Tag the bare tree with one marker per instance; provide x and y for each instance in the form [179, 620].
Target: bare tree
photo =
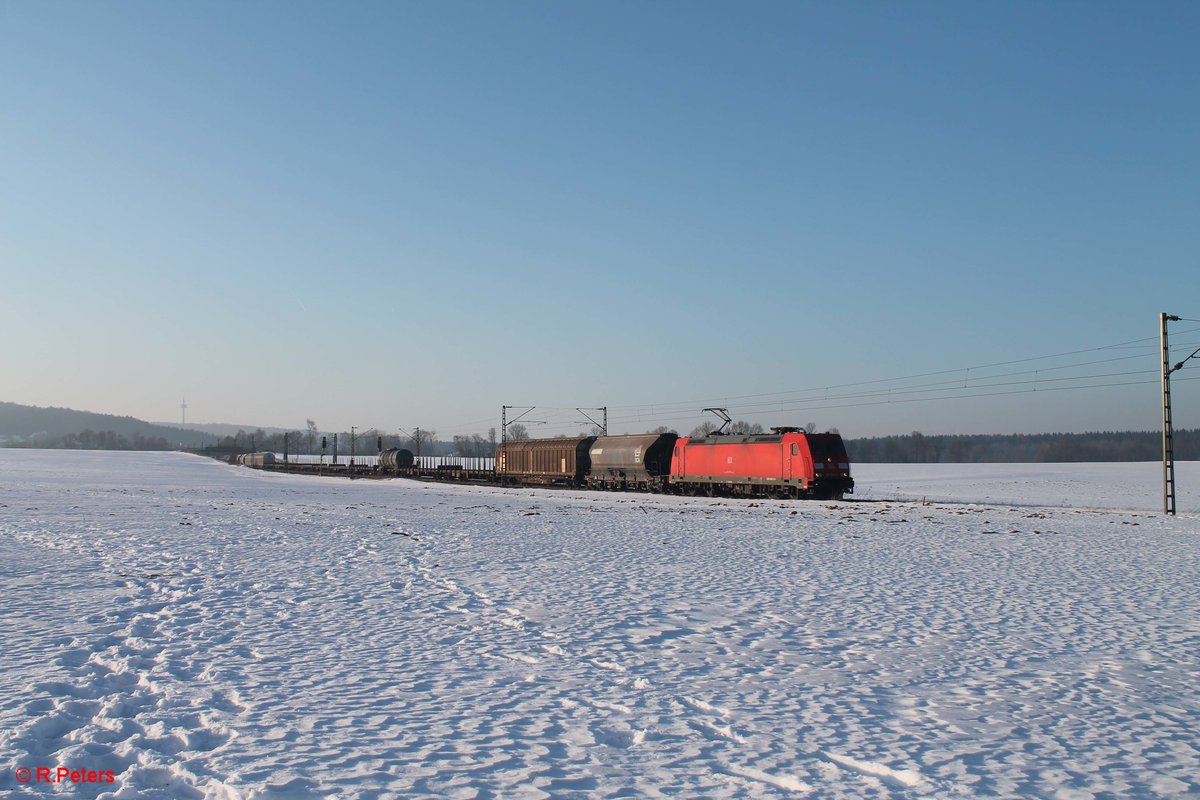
[473, 446]
[517, 432]
[745, 428]
[373, 437]
[917, 446]
[663, 429]
[810, 427]
[703, 429]
[312, 435]
[419, 438]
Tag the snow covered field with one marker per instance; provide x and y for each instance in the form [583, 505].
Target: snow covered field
[1130, 487]
[202, 630]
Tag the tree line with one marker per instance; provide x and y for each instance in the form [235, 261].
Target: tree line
[369, 441]
[918, 448]
[89, 439]
[911, 448]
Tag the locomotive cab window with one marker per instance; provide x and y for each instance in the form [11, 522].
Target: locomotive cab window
[827, 447]
[795, 449]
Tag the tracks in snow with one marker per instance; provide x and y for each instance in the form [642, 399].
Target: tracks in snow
[622, 710]
[138, 698]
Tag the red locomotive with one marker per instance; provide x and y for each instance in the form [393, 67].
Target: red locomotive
[784, 463]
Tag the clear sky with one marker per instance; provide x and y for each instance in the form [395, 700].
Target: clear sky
[404, 214]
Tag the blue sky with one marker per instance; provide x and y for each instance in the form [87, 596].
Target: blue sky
[408, 214]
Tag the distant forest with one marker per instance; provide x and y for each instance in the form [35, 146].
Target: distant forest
[364, 442]
[912, 448]
[917, 448]
[61, 428]
[88, 439]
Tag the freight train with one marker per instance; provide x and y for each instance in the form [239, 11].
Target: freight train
[788, 462]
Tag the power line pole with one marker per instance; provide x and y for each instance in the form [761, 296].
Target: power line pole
[504, 422]
[1168, 432]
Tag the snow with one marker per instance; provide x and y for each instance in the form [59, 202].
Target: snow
[210, 631]
[1127, 486]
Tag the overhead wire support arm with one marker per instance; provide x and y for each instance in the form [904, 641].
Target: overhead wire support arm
[505, 421]
[1179, 366]
[604, 426]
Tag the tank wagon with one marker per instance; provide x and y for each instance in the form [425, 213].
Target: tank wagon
[638, 461]
[785, 463]
[395, 459]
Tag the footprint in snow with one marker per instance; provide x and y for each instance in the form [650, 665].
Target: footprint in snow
[899, 779]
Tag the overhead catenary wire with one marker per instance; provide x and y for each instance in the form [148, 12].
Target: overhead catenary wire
[563, 425]
[963, 385]
[978, 367]
[973, 382]
[933, 392]
[880, 399]
[897, 397]
[662, 410]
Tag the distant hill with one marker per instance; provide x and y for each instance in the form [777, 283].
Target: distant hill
[225, 429]
[33, 426]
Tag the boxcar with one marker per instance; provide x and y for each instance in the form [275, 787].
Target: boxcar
[563, 461]
[258, 460]
[638, 461]
[785, 463]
